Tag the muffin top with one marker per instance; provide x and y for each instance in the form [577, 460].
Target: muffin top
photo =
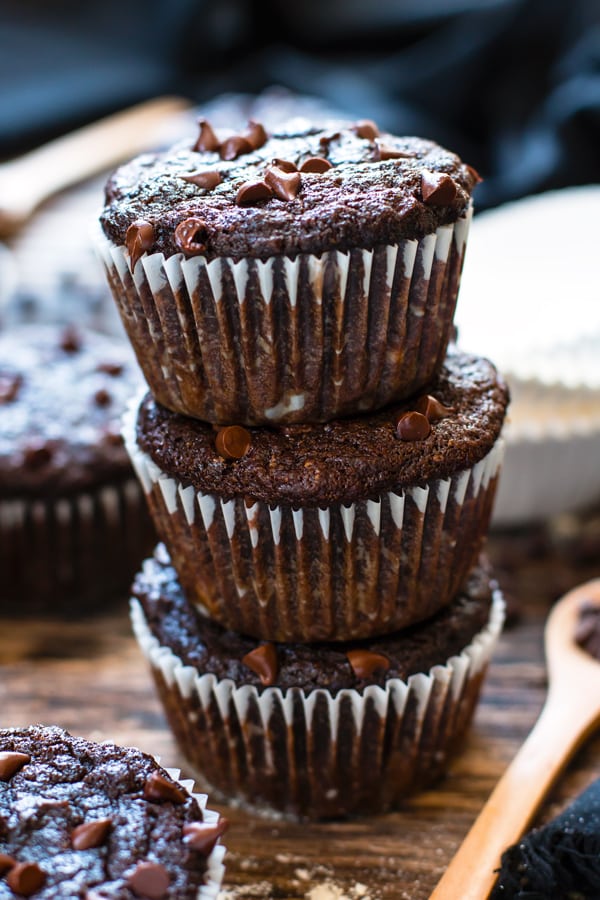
[62, 394]
[340, 461]
[299, 189]
[81, 819]
[209, 647]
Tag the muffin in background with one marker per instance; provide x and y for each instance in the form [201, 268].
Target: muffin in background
[107, 821]
[73, 520]
[321, 730]
[287, 278]
[329, 532]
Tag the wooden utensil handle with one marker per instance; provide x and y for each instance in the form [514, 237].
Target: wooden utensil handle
[562, 726]
[78, 155]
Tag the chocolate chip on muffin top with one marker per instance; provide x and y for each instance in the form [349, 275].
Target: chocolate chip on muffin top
[298, 190]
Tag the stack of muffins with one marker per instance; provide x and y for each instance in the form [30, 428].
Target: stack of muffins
[319, 464]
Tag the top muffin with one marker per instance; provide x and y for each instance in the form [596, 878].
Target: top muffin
[288, 278]
[298, 190]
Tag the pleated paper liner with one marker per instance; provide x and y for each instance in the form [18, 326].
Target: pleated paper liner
[290, 340]
[73, 554]
[313, 754]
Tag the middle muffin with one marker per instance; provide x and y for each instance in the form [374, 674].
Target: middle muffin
[334, 531]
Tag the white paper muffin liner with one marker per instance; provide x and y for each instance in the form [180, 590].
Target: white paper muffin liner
[73, 553]
[311, 753]
[336, 573]
[290, 340]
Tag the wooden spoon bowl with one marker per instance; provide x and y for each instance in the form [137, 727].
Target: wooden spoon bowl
[570, 714]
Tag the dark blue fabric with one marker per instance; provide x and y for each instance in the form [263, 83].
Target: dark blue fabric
[560, 861]
[512, 85]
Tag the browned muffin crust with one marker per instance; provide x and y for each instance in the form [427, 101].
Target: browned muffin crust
[364, 199]
[341, 461]
[62, 395]
[202, 643]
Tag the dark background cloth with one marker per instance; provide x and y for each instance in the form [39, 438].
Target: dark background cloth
[513, 86]
[560, 861]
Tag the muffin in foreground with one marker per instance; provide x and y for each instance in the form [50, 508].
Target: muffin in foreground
[85, 820]
[73, 521]
[328, 532]
[291, 277]
[322, 730]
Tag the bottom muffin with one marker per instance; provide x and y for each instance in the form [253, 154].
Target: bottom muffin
[319, 730]
[85, 820]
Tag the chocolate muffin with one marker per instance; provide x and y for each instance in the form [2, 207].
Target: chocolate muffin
[321, 730]
[86, 820]
[353, 528]
[73, 521]
[291, 277]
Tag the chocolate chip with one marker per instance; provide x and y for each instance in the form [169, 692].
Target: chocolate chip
[316, 164]
[189, 234]
[263, 662]
[149, 880]
[437, 188]
[26, 878]
[285, 185]
[366, 129]
[253, 191]
[383, 152]
[111, 435]
[327, 139]
[10, 763]
[37, 453]
[477, 179]
[139, 238]
[202, 836]
[6, 863]
[235, 146]
[207, 180]
[432, 409]
[255, 134]
[70, 340]
[207, 139]
[233, 442]
[10, 384]
[90, 834]
[413, 426]
[364, 662]
[159, 789]
[102, 397]
[110, 368]
[285, 165]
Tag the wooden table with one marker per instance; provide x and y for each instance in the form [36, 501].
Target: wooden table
[90, 678]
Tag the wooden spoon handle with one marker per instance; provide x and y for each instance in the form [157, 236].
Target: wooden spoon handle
[563, 724]
[27, 181]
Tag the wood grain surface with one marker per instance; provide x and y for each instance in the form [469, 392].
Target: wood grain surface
[89, 677]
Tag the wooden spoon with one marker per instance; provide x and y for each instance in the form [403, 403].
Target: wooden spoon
[27, 181]
[569, 716]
